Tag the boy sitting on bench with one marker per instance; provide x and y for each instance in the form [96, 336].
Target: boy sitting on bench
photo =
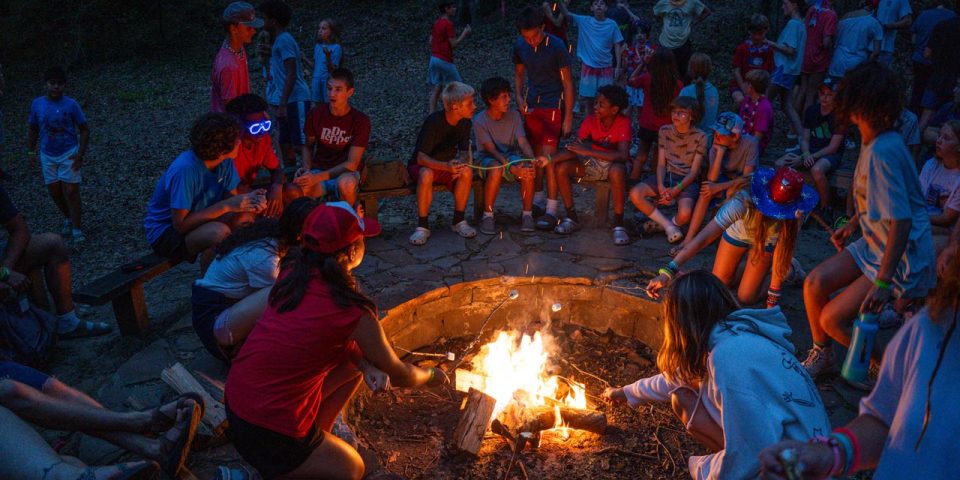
[256, 149]
[337, 135]
[442, 156]
[195, 204]
[500, 141]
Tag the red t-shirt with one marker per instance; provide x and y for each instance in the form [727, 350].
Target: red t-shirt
[276, 381]
[820, 22]
[335, 135]
[249, 160]
[604, 139]
[440, 46]
[648, 119]
[748, 57]
[230, 78]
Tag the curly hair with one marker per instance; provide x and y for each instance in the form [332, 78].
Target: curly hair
[616, 95]
[873, 93]
[213, 135]
[246, 104]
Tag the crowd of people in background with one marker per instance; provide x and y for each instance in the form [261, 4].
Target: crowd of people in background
[266, 199]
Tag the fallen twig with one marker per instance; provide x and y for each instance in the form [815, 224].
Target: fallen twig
[628, 453]
[656, 436]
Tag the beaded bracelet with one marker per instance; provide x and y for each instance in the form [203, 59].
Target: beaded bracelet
[855, 446]
[673, 266]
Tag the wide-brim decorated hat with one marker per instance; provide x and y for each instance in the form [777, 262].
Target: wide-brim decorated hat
[782, 193]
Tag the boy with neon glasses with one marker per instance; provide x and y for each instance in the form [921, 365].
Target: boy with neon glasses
[256, 149]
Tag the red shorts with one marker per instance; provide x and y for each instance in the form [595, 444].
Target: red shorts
[440, 177]
[543, 126]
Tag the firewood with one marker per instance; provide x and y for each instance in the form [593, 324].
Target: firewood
[536, 419]
[474, 422]
[179, 379]
[464, 380]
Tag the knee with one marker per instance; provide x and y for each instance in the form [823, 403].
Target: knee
[291, 192]
[617, 172]
[819, 171]
[780, 162]
[814, 281]
[10, 391]
[467, 175]
[52, 247]
[425, 177]
[219, 231]
[347, 183]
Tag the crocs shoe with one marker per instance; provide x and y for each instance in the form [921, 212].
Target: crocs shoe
[488, 226]
[547, 222]
[674, 235]
[85, 329]
[620, 236]
[420, 236]
[567, 226]
[527, 224]
[465, 230]
[819, 361]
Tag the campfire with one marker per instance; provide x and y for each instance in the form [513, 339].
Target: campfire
[512, 392]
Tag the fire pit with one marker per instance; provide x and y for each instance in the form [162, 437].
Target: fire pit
[528, 372]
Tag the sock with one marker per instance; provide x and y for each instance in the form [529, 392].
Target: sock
[457, 216]
[552, 207]
[487, 214]
[571, 213]
[528, 213]
[422, 222]
[67, 322]
[658, 217]
[617, 219]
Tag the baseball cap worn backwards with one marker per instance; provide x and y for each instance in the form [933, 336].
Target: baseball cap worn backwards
[728, 123]
[242, 13]
[333, 226]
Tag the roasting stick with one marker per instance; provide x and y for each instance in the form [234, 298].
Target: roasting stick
[513, 295]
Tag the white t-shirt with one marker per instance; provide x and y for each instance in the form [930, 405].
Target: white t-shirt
[889, 11]
[244, 270]
[941, 186]
[855, 37]
[794, 35]
[678, 16]
[596, 39]
[731, 218]
[900, 398]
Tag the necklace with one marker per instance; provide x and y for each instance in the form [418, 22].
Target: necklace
[238, 53]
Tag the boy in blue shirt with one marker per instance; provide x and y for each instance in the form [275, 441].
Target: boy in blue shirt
[59, 124]
[195, 204]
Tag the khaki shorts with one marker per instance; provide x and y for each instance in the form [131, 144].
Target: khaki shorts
[595, 170]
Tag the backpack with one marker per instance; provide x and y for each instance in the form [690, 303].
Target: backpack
[27, 336]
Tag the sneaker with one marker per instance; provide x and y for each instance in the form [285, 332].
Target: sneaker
[488, 226]
[889, 318]
[819, 361]
[465, 230]
[527, 224]
[67, 228]
[420, 236]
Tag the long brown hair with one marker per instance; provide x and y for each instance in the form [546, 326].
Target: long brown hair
[698, 68]
[694, 304]
[663, 80]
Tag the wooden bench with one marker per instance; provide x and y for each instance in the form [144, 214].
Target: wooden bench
[125, 291]
[371, 206]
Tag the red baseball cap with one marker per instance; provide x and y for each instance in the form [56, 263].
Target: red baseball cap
[333, 226]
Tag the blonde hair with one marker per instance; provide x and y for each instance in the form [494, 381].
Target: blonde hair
[454, 93]
[757, 224]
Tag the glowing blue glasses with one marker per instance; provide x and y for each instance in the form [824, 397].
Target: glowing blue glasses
[259, 128]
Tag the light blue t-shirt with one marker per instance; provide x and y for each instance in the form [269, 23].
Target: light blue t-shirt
[596, 39]
[855, 37]
[889, 11]
[187, 185]
[794, 35]
[57, 121]
[503, 134]
[711, 104]
[899, 400]
[886, 187]
[318, 85]
[284, 48]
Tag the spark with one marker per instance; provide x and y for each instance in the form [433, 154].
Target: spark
[526, 270]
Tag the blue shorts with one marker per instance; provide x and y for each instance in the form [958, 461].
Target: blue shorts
[781, 79]
[23, 374]
[331, 190]
[291, 127]
[742, 244]
[488, 162]
[442, 72]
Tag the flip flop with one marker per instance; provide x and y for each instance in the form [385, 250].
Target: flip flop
[178, 449]
[85, 329]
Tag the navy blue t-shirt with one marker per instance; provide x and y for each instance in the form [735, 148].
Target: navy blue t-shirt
[542, 65]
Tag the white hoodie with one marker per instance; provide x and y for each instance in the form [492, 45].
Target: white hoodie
[755, 389]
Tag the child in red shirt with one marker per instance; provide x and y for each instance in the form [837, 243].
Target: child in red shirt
[443, 39]
[752, 54]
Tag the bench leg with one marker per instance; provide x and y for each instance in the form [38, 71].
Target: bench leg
[371, 208]
[602, 204]
[130, 310]
[477, 201]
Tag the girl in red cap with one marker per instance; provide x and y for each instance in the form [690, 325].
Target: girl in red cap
[763, 221]
[299, 366]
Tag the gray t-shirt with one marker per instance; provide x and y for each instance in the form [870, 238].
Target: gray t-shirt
[886, 187]
[735, 160]
[286, 48]
[900, 397]
[794, 35]
[503, 134]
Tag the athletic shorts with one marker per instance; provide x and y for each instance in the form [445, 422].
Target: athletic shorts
[442, 72]
[595, 170]
[592, 79]
[291, 128]
[10, 370]
[208, 305]
[783, 80]
[331, 190]
[543, 126]
[272, 454]
[487, 162]
[59, 168]
[173, 246]
[440, 177]
[692, 191]
[739, 242]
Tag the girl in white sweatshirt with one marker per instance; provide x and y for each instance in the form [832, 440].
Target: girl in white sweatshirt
[730, 375]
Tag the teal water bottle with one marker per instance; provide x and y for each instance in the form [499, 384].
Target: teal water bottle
[857, 363]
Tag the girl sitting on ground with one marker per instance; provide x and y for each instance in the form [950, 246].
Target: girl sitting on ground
[730, 376]
[232, 294]
[763, 221]
[299, 366]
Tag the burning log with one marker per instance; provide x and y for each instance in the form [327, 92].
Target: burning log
[536, 419]
[476, 418]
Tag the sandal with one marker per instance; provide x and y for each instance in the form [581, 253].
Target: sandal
[420, 236]
[176, 450]
[85, 329]
[620, 236]
[567, 226]
[547, 222]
